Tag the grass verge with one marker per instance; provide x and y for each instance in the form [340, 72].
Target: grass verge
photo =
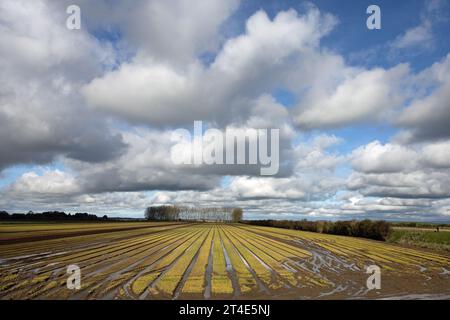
[424, 239]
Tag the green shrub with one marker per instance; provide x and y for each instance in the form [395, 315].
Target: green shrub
[377, 230]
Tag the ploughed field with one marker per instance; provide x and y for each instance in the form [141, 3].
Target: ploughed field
[208, 261]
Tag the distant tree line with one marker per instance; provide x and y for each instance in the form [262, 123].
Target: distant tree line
[173, 213]
[50, 215]
[419, 224]
[162, 213]
[377, 230]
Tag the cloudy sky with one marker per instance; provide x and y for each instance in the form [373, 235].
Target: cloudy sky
[86, 116]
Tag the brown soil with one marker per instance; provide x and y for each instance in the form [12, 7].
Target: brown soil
[76, 234]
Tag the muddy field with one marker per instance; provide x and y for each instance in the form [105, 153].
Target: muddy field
[209, 261]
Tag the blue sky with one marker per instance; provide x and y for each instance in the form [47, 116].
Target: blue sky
[352, 36]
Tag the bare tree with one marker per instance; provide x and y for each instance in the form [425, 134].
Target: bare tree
[237, 214]
[222, 214]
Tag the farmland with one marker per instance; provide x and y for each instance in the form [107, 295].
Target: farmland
[162, 260]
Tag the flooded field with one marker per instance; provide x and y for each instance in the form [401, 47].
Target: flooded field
[209, 261]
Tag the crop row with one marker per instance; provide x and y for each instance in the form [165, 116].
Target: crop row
[198, 261]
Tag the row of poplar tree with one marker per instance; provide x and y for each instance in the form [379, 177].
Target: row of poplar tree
[173, 213]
